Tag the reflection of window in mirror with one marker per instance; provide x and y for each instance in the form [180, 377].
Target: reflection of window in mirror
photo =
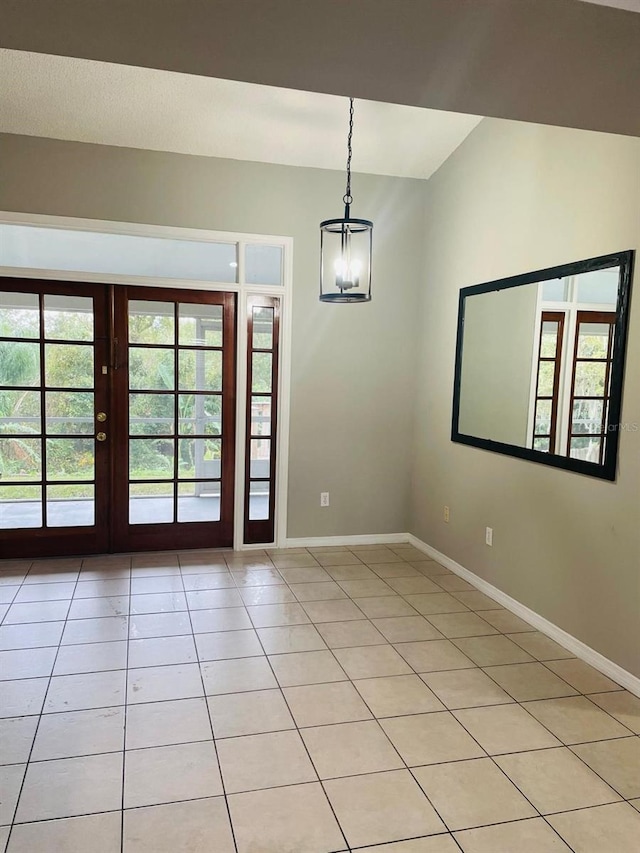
[571, 370]
[540, 364]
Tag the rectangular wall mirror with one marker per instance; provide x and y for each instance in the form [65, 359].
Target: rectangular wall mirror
[540, 364]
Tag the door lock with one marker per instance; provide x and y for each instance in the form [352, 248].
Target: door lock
[101, 436]
[101, 416]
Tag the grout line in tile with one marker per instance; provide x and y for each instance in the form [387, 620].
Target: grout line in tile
[609, 784]
[516, 786]
[35, 734]
[215, 748]
[66, 817]
[380, 846]
[577, 694]
[300, 729]
[418, 671]
[302, 740]
[563, 746]
[124, 729]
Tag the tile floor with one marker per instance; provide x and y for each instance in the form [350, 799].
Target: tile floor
[299, 701]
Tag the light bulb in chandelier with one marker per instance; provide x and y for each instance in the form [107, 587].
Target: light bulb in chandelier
[347, 268]
[345, 249]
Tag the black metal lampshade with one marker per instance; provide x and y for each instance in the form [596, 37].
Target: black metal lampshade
[345, 257]
[345, 249]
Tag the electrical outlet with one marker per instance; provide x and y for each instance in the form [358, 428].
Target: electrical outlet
[324, 498]
[488, 535]
[446, 514]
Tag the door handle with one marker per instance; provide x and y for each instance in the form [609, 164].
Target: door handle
[101, 416]
[101, 436]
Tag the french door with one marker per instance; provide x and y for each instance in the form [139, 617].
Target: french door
[54, 385]
[117, 418]
[174, 418]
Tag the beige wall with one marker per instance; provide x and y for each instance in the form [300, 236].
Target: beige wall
[353, 365]
[497, 355]
[513, 198]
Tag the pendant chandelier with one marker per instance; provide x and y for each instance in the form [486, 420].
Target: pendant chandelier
[345, 248]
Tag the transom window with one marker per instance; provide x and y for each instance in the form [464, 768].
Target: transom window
[98, 252]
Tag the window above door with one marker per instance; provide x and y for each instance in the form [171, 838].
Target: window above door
[147, 253]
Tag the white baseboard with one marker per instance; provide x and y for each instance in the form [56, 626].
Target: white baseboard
[568, 641]
[337, 541]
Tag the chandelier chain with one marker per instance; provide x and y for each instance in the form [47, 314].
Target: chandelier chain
[348, 198]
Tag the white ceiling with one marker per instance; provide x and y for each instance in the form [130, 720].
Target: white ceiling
[90, 101]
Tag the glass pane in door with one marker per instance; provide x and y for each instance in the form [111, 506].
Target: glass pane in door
[19, 363]
[260, 415]
[70, 412]
[151, 414]
[549, 339]
[546, 372]
[70, 459]
[151, 369]
[200, 414]
[263, 328]
[199, 457]
[150, 503]
[68, 318]
[19, 315]
[20, 507]
[590, 379]
[20, 411]
[259, 501]
[593, 340]
[199, 501]
[65, 501]
[200, 325]
[151, 458]
[68, 366]
[21, 459]
[151, 322]
[587, 416]
[200, 370]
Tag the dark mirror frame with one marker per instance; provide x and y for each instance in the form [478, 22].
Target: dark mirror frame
[606, 470]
